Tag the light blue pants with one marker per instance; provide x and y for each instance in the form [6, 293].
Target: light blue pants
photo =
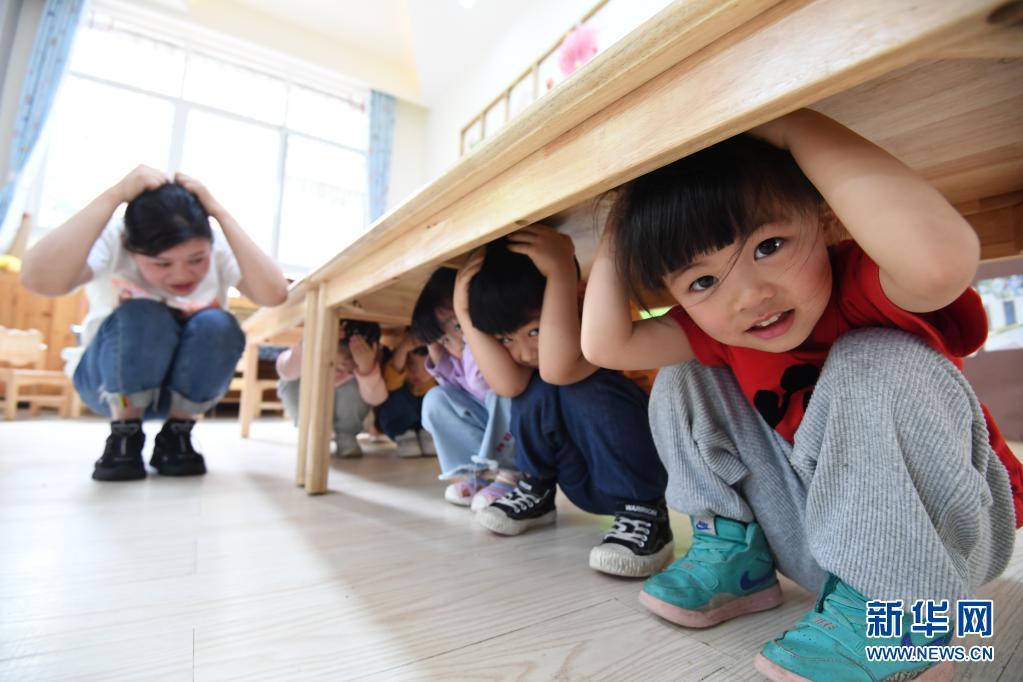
[470, 436]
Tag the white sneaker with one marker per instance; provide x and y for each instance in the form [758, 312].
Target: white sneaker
[408, 444]
[426, 444]
[347, 445]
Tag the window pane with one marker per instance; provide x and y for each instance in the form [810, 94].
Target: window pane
[324, 206]
[237, 161]
[221, 85]
[1003, 302]
[98, 133]
[129, 58]
[329, 117]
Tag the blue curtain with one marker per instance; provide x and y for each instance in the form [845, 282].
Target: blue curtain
[381, 139]
[47, 63]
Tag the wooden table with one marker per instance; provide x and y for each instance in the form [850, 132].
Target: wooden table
[939, 84]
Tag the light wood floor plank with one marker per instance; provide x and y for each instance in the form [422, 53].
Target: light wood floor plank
[241, 575]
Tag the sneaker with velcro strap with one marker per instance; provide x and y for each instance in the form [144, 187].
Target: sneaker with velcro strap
[639, 543]
[728, 571]
[830, 643]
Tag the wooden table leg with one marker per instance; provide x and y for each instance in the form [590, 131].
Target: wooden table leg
[305, 401]
[322, 395]
[251, 395]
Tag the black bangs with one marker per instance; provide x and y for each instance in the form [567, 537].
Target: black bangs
[160, 219]
[507, 292]
[662, 221]
[436, 295]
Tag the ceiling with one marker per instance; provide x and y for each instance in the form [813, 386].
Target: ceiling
[430, 38]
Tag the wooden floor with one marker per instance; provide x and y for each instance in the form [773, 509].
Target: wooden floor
[241, 575]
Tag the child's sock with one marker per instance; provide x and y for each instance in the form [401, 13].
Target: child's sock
[501, 486]
[461, 491]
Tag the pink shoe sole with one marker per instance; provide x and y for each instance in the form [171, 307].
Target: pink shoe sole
[758, 601]
[943, 672]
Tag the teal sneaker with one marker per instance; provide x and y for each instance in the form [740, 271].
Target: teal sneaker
[728, 572]
[830, 644]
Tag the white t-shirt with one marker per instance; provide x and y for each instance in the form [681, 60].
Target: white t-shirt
[116, 278]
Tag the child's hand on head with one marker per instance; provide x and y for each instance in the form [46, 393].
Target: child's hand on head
[460, 298]
[364, 354]
[200, 190]
[407, 343]
[551, 251]
[142, 178]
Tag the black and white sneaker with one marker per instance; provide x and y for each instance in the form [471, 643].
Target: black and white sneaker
[638, 545]
[173, 454]
[529, 504]
[122, 456]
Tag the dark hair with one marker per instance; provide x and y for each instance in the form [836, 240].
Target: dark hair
[370, 331]
[437, 293]
[507, 292]
[662, 221]
[161, 218]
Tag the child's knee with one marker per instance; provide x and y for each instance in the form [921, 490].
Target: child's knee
[879, 363]
[435, 404]
[676, 389]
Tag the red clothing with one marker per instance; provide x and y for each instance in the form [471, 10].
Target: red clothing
[779, 385]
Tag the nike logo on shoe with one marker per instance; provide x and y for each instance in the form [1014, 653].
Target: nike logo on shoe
[746, 583]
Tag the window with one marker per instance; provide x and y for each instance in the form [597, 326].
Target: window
[1003, 303]
[287, 158]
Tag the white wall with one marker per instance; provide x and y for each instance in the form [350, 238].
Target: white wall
[536, 28]
[408, 157]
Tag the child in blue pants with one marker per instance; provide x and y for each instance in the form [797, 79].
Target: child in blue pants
[820, 425]
[468, 421]
[575, 425]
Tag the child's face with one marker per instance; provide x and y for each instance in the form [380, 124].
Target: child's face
[179, 269]
[768, 296]
[452, 341]
[523, 344]
[417, 374]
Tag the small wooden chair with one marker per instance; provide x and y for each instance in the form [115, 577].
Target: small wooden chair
[25, 352]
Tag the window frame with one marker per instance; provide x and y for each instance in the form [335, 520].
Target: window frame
[198, 41]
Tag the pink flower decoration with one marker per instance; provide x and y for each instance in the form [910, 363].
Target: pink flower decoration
[576, 49]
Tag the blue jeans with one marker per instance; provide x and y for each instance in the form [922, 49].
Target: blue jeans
[143, 357]
[593, 437]
[470, 436]
[401, 412]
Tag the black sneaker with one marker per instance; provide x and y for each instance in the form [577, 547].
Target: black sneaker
[173, 454]
[122, 456]
[529, 504]
[638, 545]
